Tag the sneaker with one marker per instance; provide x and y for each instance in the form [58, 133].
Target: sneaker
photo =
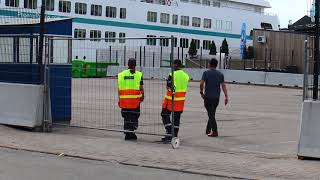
[213, 134]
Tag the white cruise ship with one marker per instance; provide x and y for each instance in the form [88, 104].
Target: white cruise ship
[187, 20]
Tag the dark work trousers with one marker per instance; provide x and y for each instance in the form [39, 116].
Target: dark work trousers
[131, 117]
[211, 105]
[166, 119]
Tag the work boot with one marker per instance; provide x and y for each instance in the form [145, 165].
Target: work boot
[130, 137]
[166, 139]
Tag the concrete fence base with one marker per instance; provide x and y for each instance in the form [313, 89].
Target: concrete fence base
[21, 104]
[309, 145]
[236, 76]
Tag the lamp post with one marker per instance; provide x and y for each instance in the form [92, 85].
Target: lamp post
[316, 53]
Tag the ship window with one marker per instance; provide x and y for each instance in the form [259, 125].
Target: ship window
[95, 35]
[174, 19]
[123, 13]
[81, 8]
[197, 41]
[30, 4]
[110, 36]
[216, 4]
[184, 43]
[195, 1]
[151, 42]
[50, 5]
[164, 41]
[219, 24]
[207, 23]
[206, 44]
[65, 6]
[12, 3]
[228, 26]
[165, 18]
[152, 16]
[96, 10]
[206, 2]
[111, 12]
[175, 41]
[80, 33]
[196, 22]
[122, 37]
[184, 20]
[266, 26]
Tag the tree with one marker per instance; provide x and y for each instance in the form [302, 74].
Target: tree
[250, 52]
[213, 48]
[193, 49]
[225, 47]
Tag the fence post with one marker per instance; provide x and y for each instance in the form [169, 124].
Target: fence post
[144, 56]
[182, 55]
[270, 59]
[140, 56]
[172, 95]
[110, 54]
[117, 57]
[31, 50]
[124, 55]
[201, 58]
[153, 58]
[306, 67]
[265, 58]
[179, 53]
[161, 56]
[69, 50]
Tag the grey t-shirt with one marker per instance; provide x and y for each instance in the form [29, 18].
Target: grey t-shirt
[213, 80]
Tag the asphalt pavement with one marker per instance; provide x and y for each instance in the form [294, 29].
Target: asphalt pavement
[18, 165]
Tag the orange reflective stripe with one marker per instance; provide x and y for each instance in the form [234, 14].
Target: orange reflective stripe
[177, 94]
[178, 105]
[129, 103]
[129, 92]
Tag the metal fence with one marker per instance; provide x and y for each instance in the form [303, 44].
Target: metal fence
[309, 61]
[94, 86]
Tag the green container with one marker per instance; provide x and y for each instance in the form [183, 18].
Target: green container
[89, 70]
[77, 66]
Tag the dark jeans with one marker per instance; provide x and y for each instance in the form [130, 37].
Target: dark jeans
[166, 114]
[131, 117]
[211, 105]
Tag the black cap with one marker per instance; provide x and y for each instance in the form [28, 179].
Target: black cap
[177, 62]
[132, 62]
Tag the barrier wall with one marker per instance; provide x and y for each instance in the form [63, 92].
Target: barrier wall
[309, 144]
[236, 76]
[21, 104]
[60, 92]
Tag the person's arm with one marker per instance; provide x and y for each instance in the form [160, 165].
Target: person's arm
[169, 82]
[225, 91]
[201, 88]
[202, 84]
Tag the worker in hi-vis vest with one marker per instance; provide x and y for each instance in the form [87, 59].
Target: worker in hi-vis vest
[131, 95]
[181, 80]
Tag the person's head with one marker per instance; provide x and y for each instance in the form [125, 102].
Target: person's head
[132, 63]
[213, 63]
[177, 64]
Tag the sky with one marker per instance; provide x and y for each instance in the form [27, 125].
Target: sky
[289, 10]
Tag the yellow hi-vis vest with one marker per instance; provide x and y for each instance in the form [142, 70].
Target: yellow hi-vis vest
[129, 89]
[181, 80]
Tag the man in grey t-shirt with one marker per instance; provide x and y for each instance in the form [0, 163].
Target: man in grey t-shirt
[213, 81]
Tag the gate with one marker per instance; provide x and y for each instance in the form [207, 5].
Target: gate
[93, 99]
